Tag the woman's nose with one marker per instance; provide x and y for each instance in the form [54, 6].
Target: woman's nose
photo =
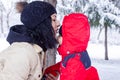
[58, 23]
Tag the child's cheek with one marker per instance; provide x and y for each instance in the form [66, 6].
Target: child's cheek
[60, 40]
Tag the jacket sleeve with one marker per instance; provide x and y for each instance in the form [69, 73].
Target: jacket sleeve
[53, 69]
[20, 67]
[14, 67]
[36, 71]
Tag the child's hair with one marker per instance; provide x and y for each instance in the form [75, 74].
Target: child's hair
[60, 31]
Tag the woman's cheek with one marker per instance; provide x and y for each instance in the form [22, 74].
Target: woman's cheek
[53, 25]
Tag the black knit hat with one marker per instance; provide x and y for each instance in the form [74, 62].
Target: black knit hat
[36, 12]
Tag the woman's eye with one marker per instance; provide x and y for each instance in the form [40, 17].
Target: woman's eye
[54, 20]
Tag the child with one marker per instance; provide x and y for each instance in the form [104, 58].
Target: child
[75, 64]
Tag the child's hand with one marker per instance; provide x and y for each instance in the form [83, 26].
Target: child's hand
[52, 77]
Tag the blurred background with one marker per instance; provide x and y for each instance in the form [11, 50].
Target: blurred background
[104, 18]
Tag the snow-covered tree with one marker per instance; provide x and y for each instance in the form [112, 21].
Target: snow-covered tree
[1, 17]
[116, 2]
[65, 7]
[50, 56]
[53, 2]
[103, 14]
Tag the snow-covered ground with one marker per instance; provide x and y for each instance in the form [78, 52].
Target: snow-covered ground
[108, 70]
[3, 44]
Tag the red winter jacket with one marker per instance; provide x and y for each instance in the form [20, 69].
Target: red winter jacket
[75, 34]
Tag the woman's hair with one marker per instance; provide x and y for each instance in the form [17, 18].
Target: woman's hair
[43, 34]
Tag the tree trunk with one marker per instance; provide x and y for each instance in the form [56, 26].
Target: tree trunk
[2, 30]
[7, 21]
[63, 5]
[99, 33]
[53, 2]
[50, 56]
[1, 16]
[106, 46]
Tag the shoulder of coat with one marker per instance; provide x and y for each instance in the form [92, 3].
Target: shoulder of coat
[27, 47]
[37, 48]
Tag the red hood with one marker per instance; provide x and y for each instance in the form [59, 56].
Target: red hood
[75, 33]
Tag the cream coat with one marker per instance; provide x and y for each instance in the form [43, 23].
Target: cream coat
[21, 61]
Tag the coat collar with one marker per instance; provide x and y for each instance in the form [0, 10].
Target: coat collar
[37, 48]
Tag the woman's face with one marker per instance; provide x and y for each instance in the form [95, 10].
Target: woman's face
[55, 22]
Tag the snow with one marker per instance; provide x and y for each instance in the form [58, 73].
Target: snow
[97, 51]
[113, 36]
[106, 9]
[15, 20]
[113, 17]
[6, 3]
[3, 44]
[108, 70]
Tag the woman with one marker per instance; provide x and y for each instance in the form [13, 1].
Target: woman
[21, 61]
